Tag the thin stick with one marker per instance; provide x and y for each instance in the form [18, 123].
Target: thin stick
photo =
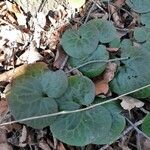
[88, 15]
[75, 111]
[138, 130]
[99, 6]
[97, 61]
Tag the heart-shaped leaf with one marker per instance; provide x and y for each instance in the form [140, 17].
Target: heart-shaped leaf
[80, 43]
[81, 91]
[33, 95]
[146, 125]
[134, 73]
[54, 84]
[82, 128]
[107, 31]
[93, 69]
[140, 6]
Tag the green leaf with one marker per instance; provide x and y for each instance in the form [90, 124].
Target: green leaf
[93, 69]
[107, 31]
[134, 73]
[140, 6]
[43, 106]
[33, 95]
[142, 34]
[82, 128]
[54, 84]
[118, 124]
[115, 43]
[145, 19]
[81, 91]
[146, 125]
[80, 43]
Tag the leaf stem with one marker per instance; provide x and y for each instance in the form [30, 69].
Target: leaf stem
[97, 61]
[74, 111]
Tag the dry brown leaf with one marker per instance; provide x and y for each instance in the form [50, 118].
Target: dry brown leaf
[43, 145]
[116, 17]
[3, 106]
[22, 139]
[12, 74]
[129, 103]
[60, 57]
[111, 49]
[110, 71]
[101, 85]
[60, 146]
[119, 3]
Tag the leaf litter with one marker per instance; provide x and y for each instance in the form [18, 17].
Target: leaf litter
[26, 39]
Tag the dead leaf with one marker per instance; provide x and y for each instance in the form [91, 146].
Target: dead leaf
[116, 17]
[60, 57]
[101, 85]
[30, 56]
[129, 103]
[22, 139]
[43, 145]
[111, 49]
[60, 146]
[3, 106]
[110, 71]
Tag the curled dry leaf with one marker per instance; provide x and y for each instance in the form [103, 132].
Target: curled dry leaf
[22, 139]
[60, 57]
[101, 85]
[30, 56]
[129, 103]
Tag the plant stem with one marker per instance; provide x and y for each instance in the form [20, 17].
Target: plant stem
[97, 61]
[74, 111]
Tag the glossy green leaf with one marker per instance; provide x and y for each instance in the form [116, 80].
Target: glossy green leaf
[82, 128]
[146, 125]
[145, 19]
[140, 6]
[54, 84]
[93, 69]
[142, 34]
[81, 91]
[107, 31]
[80, 43]
[134, 73]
